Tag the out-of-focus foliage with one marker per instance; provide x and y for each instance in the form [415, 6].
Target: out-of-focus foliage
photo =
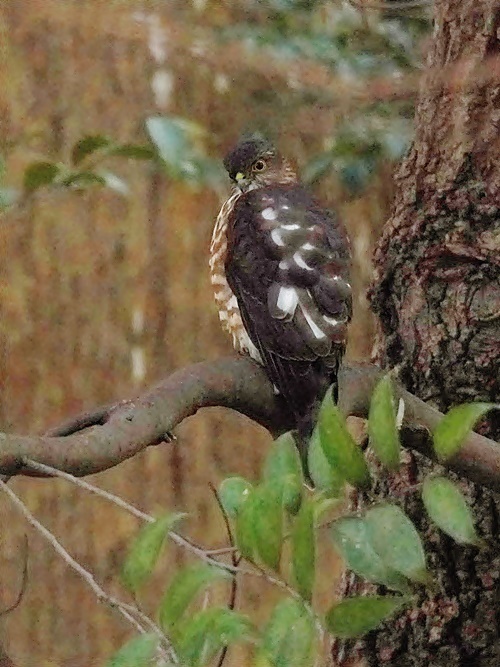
[360, 50]
[175, 145]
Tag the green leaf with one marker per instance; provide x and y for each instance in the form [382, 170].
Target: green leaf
[448, 508]
[39, 174]
[233, 492]
[339, 446]
[171, 142]
[245, 526]
[209, 631]
[283, 469]
[185, 586]
[88, 145]
[396, 541]
[325, 477]
[259, 526]
[132, 151]
[268, 526]
[8, 197]
[350, 536]
[114, 182]
[288, 638]
[317, 168]
[138, 652]
[356, 616]
[82, 179]
[145, 550]
[451, 432]
[304, 549]
[382, 428]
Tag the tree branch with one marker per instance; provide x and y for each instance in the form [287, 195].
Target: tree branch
[100, 440]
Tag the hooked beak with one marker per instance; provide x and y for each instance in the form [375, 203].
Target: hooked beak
[242, 183]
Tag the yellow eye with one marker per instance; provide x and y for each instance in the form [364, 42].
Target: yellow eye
[260, 165]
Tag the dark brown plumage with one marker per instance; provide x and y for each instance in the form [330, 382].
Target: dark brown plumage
[280, 269]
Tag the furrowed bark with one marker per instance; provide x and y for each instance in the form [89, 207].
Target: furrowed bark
[437, 297]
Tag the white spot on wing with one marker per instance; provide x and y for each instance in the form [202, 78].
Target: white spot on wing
[307, 246]
[287, 300]
[291, 226]
[276, 237]
[401, 414]
[318, 334]
[331, 320]
[284, 265]
[269, 213]
[300, 262]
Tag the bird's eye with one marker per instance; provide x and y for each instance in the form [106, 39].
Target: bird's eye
[260, 165]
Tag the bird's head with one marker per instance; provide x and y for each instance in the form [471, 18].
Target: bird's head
[254, 163]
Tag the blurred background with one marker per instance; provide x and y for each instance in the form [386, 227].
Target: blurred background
[104, 284]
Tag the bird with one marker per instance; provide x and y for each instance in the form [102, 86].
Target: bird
[280, 267]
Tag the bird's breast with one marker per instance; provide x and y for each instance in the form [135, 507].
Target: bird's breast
[225, 299]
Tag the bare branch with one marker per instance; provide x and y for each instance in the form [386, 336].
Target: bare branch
[133, 615]
[112, 435]
[127, 428]
[24, 581]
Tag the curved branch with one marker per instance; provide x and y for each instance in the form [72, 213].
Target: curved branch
[100, 440]
[113, 434]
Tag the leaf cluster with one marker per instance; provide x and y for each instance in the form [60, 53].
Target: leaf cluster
[277, 522]
[175, 145]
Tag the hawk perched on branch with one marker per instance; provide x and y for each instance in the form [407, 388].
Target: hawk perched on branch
[280, 270]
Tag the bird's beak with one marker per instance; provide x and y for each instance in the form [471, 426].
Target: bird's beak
[242, 182]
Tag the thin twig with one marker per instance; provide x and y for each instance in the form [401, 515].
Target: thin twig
[111, 497]
[24, 579]
[129, 612]
[235, 561]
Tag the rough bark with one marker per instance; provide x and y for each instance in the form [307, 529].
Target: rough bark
[437, 297]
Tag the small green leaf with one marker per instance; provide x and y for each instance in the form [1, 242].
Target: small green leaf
[88, 145]
[245, 526]
[82, 179]
[145, 550]
[185, 586]
[288, 638]
[396, 541]
[169, 137]
[8, 197]
[325, 477]
[233, 492]
[339, 446]
[138, 652]
[451, 432]
[283, 469]
[356, 616]
[448, 508]
[304, 549]
[259, 526]
[350, 536]
[114, 182]
[208, 631]
[382, 428]
[268, 526]
[132, 151]
[39, 174]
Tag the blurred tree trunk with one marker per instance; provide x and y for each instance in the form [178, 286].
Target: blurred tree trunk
[437, 297]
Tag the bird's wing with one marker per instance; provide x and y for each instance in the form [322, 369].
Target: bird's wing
[288, 265]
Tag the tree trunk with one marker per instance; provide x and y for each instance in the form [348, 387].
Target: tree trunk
[437, 297]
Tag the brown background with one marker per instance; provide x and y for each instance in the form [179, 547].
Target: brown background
[76, 269]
